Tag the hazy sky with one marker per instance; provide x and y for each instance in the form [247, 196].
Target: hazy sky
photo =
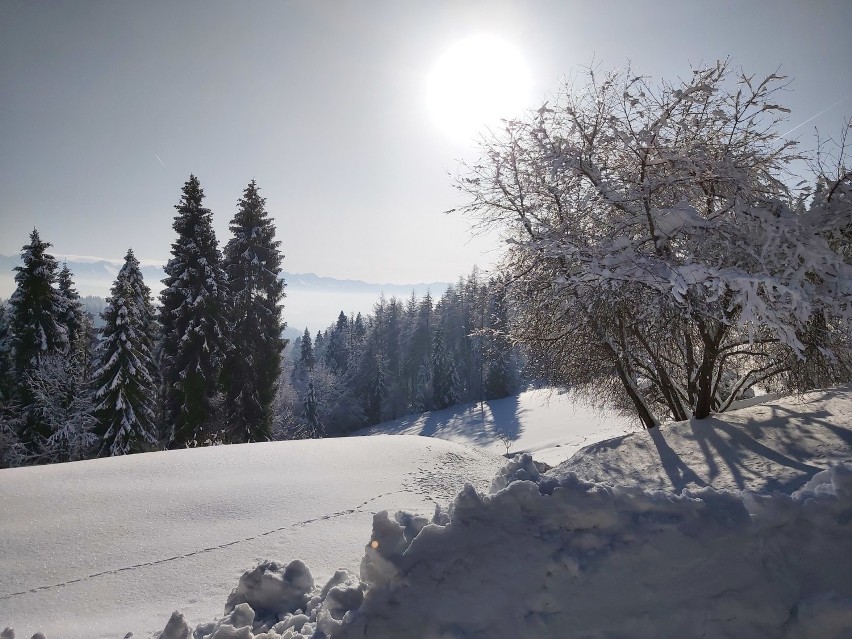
[324, 104]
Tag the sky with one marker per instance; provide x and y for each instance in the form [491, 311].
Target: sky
[106, 107]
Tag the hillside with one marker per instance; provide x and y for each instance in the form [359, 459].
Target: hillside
[96, 549]
[105, 547]
[551, 425]
[778, 445]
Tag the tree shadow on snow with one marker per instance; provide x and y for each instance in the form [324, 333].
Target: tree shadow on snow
[739, 449]
[506, 417]
[680, 475]
[478, 425]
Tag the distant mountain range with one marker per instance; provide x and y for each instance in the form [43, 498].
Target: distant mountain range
[312, 301]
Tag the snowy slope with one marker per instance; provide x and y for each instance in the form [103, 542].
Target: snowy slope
[104, 547]
[97, 549]
[549, 424]
[778, 445]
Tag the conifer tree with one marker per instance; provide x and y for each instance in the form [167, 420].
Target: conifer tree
[306, 351]
[252, 265]
[445, 382]
[35, 333]
[192, 310]
[71, 314]
[310, 413]
[124, 378]
[35, 307]
[5, 358]
[337, 349]
[132, 274]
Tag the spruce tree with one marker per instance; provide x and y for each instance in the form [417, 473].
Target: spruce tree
[193, 305]
[5, 358]
[306, 352]
[35, 308]
[445, 381]
[338, 348]
[310, 413]
[124, 378]
[35, 333]
[252, 265]
[71, 314]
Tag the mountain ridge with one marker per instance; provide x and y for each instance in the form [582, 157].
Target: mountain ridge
[94, 276]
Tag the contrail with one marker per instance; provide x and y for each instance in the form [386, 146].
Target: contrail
[158, 159]
[813, 117]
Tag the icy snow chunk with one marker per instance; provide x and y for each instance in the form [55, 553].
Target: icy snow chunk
[227, 631]
[176, 628]
[272, 589]
[520, 468]
[344, 592]
[384, 551]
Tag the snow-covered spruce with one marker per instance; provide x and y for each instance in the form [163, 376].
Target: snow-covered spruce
[545, 558]
[34, 332]
[192, 316]
[252, 265]
[125, 394]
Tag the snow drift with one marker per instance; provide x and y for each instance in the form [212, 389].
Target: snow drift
[541, 557]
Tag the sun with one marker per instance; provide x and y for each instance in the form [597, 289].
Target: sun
[475, 83]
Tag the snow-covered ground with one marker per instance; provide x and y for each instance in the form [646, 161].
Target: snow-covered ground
[104, 547]
[101, 548]
[549, 424]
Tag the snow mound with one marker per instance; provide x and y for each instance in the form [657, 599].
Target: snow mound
[541, 557]
[777, 445]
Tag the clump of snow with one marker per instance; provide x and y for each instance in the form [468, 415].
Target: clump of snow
[544, 557]
[272, 588]
[176, 628]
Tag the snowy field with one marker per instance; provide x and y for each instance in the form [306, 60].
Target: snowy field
[550, 425]
[105, 547]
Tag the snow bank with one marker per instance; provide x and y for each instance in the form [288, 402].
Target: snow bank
[540, 557]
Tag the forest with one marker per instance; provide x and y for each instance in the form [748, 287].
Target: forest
[207, 363]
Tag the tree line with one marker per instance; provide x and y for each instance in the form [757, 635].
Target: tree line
[205, 365]
[408, 356]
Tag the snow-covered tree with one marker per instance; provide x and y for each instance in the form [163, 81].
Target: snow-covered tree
[71, 313]
[192, 315]
[311, 414]
[651, 234]
[499, 354]
[445, 381]
[35, 307]
[337, 350]
[124, 377]
[61, 398]
[306, 351]
[35, 332]
[6, 384]
[252, 264]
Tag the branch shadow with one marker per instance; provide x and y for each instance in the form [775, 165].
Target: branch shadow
[719, 439]
[680, 475]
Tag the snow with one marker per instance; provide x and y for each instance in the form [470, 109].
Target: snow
[550, 424]
[105, 547]
[778, 445]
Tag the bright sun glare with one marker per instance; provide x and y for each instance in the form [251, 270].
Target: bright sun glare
[476, 82]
